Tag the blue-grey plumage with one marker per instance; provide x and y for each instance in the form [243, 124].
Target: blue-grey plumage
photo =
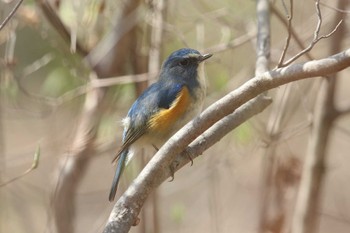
[163, 108]
[118, 172]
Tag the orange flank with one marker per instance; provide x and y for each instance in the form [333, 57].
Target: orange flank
[166, 117]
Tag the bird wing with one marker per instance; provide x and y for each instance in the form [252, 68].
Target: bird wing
[157, 104]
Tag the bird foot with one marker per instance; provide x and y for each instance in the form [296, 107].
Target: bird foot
[188, 154]
[172, 172]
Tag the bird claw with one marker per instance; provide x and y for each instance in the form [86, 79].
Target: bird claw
[188, 154]
[171, 168]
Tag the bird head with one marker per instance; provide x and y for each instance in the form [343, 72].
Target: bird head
[183, 63]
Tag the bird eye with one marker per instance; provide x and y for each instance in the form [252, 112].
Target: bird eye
[184, 62]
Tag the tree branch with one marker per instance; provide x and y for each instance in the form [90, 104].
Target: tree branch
[129, 205]
[34, 165]
[57, 23]
[316, 38]
[263, 40]
[279, 16]
[289, 28]
[197, 147]
[12, 13]
[157, 22]
[233, 43]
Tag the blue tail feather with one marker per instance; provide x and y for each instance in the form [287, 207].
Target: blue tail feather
[118, 172]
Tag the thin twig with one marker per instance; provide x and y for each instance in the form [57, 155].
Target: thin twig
[83, 89]
[335, 8]
[35, 164]
[12, 13]
[343, 111]
[57, 23]
[316, 38]
[95, 83]
[232, 44]
[289, 28]
[299, 42]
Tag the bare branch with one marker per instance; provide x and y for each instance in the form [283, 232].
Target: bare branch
[106, 82]
[263, 40]
[289, 28]
[196, 148]
[157, 23]
[129, 205]
[233, 43]
[343, 110]
[57, 23]
[316, 38]
[335, 8]
[299, 42]
[271, 210]
[12, 13]
[35, 164]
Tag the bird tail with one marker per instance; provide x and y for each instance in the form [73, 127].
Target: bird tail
[118, 172]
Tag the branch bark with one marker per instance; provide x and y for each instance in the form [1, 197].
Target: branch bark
[263, 40]
[129, 205]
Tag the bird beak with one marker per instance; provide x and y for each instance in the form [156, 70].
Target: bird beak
[204, 57]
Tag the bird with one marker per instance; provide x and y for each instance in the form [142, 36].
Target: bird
[163, 108]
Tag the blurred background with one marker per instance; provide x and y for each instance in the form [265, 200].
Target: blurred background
[70, 70]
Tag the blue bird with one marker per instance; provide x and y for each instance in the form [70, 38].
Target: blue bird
[163, 108]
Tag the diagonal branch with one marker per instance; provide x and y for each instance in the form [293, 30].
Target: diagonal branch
[202, 143]
[129, 205]
[57, 23]
[12, 13]
[233, 43]
[34, 165]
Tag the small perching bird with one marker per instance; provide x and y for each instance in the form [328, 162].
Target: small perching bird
[163, 108]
